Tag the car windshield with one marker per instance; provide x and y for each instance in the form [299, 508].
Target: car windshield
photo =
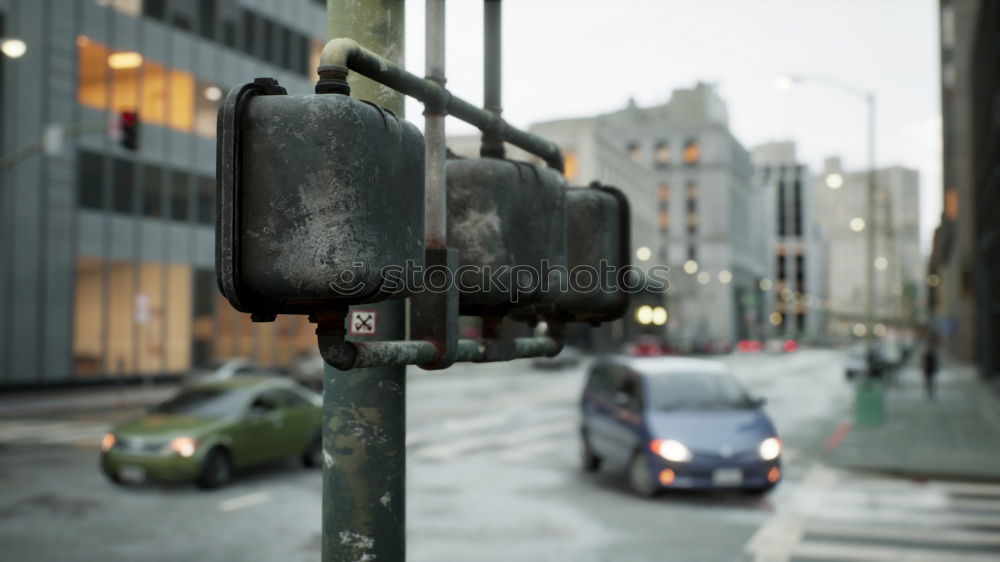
[697, 391]
[204, 403]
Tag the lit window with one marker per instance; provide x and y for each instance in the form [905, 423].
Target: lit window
[692, 152]
[181, 100]
[92, 70]
[570, 166]
[664, 193]
[153, 107]
[662, 154]
[664, 221]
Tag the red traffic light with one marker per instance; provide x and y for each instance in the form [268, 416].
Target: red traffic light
[128, 121]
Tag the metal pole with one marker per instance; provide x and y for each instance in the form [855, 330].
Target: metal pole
[436, 230]
[364, 410]
[492, 145]
[870, 253]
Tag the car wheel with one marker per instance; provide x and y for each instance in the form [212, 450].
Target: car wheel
[640, 480]
[589, 461]
[312, 457]
[113, 477]
[216, 470]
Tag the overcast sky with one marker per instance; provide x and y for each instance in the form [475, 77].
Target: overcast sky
[568, 58]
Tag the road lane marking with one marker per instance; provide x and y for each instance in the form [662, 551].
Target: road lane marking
[821, 550]
[837, 436]
[240, 502]
[775, 539]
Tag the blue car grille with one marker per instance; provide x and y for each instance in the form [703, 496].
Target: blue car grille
[717, 456]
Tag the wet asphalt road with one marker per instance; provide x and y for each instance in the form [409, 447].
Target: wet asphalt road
[492, 475]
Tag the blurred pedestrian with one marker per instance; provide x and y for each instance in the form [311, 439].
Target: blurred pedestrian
[930, 366]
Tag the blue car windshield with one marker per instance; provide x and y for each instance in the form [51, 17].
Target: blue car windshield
[204, 403]
[696, 391]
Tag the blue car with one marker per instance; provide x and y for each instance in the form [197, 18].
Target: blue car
[671, 422]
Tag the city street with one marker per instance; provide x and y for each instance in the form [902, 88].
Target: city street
[493, 475]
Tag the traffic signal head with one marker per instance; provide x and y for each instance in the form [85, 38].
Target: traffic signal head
[128, 122]
[598, 260]
[508, 221]
[318, 197]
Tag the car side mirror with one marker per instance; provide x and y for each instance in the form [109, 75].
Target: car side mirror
[758, 401]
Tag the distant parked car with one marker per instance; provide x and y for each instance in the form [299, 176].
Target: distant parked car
[237, 367]
[676, 423]
[856, 362]
[568, 357]
[645, 346]
[211, 428]
[781, 345]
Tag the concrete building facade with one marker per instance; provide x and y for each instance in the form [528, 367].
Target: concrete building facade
[841, 208]
[107, 254]
[964, 272]
[798, 287]
[706, 206]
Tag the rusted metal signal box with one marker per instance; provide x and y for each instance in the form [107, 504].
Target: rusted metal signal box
[318, 195]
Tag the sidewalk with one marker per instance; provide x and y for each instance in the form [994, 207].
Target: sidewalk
[77, 401]
[956, 436]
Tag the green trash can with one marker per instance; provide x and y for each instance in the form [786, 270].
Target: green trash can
[869, 403]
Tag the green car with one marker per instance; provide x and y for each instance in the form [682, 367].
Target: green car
[210, 429]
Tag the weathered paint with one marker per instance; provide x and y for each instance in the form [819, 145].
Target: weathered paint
[364, 410]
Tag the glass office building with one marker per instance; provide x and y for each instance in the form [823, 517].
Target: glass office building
[106, 253]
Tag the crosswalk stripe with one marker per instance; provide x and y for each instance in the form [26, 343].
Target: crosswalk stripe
[835, 551]
[904, 534]
[84, 434]
[920, 518]
[929, 500]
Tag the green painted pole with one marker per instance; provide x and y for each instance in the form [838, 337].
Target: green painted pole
[364, 410]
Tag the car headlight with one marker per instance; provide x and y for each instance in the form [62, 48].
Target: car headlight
[670, 449]
[769, 448]
[183, 446]
[108, 441]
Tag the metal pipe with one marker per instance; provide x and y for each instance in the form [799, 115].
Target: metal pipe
[435, 188]
[343, 54]
[345, 355]
[492, 145]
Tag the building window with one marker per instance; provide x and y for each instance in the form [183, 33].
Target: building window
[161, 95]
[152, 191]
[661, 154]
[797, 203]
[179, 193]
[781, 268]
[249, 33]
[570, 166]
[206, 108]
[206, 18]
[692, 252]
[664, 220]
[634, 152]
[206, 200]
[123, 186]
[782, 231]
[663, 194]
[90, 178]
[88, 317]
[692, 152]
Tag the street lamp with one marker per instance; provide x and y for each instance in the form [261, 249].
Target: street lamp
[835, 181]
[643, 253]
[866, 329]
[690, 267]
[13, 47]
[857, 224]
